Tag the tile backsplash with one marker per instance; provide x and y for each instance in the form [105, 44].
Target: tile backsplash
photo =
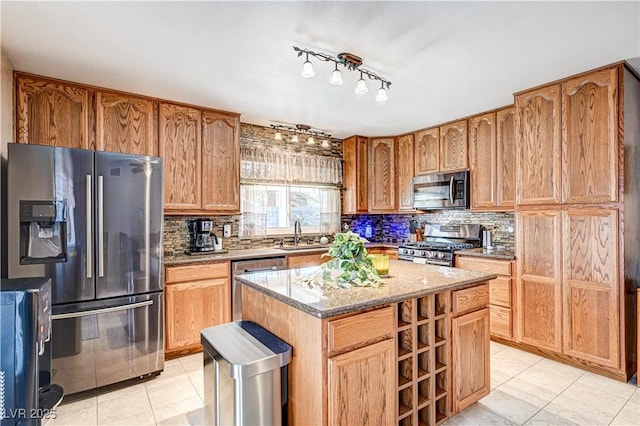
[176, 236]
[395, 228]
[389, 228]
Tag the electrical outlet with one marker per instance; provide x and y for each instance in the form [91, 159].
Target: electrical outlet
[226, 230]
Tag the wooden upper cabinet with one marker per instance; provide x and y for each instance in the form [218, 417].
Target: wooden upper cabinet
[539, 279]
[404, 172]
[506, 158]
[126, 124]
[355, 181]
[220, 162]
[590, 138]
[427, 151]
[453, 147]
[52, 113]
[591, 285]
[179, 143]
[382, 195]
[482, 160]
[538, 146]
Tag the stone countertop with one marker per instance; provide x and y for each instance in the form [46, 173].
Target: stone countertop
[257, 253]
[482, 252]
[406, 280]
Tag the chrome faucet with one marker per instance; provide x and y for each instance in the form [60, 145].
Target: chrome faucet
[297, 232]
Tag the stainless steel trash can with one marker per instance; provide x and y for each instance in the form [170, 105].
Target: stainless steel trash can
[245, 375]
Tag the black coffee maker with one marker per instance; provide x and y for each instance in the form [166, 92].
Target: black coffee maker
[201, 239]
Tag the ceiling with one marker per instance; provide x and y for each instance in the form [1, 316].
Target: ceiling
[445, 59]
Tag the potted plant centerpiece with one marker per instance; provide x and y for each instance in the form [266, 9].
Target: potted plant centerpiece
[349, 266]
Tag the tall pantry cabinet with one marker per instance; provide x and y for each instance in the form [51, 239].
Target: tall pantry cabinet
[577, 144]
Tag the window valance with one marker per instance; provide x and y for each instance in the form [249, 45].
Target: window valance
[286, 167]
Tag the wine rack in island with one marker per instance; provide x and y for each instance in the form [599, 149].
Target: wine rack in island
[430, 388]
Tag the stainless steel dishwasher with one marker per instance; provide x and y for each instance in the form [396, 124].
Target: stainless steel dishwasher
[239, 267]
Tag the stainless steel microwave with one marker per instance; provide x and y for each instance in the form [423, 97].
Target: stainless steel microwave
[441, 191]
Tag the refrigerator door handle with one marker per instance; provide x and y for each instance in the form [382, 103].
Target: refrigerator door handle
[102, 311]
[100, 226]
[89, 250]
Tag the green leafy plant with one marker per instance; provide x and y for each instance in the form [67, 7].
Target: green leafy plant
[350, 265]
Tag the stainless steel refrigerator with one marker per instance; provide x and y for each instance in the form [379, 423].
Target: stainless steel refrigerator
[92, 222]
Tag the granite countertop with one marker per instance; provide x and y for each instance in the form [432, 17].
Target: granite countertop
[482, 252]
[257, 253]
[406, 280]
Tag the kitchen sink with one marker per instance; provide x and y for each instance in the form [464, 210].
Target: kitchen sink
[304, 247]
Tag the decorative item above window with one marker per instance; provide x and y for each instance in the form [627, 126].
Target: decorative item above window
[350, 62]
[301, 129]
[277, 166]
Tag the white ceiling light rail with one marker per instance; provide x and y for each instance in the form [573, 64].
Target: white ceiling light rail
[350, 62]
[301, 129]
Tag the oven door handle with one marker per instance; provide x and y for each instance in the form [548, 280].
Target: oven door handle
[451, 190]
[102, 311]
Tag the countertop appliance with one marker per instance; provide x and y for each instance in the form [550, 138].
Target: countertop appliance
[26, 395]
[240, 267]
[441, 191]
[440, 242]
[91, 221]
[201, 237]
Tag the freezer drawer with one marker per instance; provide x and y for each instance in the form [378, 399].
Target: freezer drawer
[99, 343]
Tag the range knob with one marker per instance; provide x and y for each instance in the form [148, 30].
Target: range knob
[441, 255]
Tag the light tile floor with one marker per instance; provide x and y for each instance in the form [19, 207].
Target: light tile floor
[525, 389]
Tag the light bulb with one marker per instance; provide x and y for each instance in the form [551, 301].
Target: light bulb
[307, 69]
[336, 77]
[278, 136]
[311, 141]
[361, 86]
[294, 138]
[382, 95]
[325, 143]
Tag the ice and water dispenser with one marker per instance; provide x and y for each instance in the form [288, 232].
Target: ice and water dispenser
[43, 231]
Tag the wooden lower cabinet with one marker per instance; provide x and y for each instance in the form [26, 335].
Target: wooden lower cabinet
[570, 304]
[350, 379]
[470, 353]
[305, 260]
[197, 297]
[502, 292]
[539, 284]
[591, 286]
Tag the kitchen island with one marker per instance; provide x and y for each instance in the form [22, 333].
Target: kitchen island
[415, 351]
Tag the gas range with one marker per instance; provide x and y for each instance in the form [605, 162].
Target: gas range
[440, 243]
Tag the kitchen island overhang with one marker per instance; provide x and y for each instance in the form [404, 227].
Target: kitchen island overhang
[416, 349]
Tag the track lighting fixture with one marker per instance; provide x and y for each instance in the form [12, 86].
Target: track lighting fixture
[336, 77]
[307, 69]
[382, 94]
[301, 129]
[350, 62]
